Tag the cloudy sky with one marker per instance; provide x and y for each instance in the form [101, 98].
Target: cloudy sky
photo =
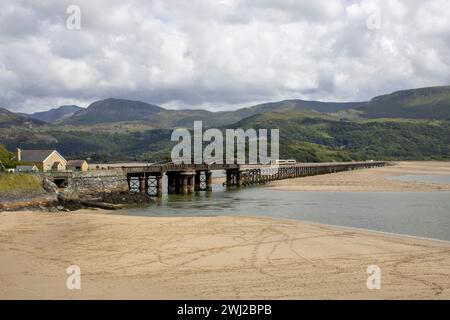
[218, 54]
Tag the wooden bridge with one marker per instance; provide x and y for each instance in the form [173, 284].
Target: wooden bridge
[188, 178]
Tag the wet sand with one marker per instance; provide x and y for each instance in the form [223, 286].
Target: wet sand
[371, 180]
[124, 257]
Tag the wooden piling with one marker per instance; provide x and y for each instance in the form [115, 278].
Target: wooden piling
[208, 180]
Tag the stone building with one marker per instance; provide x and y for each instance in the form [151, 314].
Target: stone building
[31, 168]
[77, 165]
[47, 160]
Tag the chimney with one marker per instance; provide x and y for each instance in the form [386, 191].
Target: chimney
[19, 155]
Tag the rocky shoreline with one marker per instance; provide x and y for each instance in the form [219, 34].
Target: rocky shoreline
[53, 199]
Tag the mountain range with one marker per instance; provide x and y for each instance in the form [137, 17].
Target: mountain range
[11, 119]
[56, 114]
[408, 124]
[423, 103]
[111, 110]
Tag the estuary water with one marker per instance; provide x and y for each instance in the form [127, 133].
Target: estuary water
[423, 214]
[429, 178]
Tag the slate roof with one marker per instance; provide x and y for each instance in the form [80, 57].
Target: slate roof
[75, 162]
[34, 155]
[25, 168]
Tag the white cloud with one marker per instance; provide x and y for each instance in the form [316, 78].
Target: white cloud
[218, 54]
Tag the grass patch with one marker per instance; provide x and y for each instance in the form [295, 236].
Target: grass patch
[19, 182]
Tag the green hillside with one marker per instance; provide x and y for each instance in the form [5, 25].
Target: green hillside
[10, 119]
[305, 136]
[298, 105]
[152, 144]
[320, 138]
[423, 103]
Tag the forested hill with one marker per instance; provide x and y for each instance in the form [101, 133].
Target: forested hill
[317, 137]
[424, 103]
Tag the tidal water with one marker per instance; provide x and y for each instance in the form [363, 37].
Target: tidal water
[429, 178]
[423, 214]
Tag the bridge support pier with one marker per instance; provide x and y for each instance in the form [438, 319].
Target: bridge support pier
[159, 185]
[187, 182]
[150, 183]
[191, 183]
[208, 180]
[184, 184]
[197, 181]
[202, 180]
[171, 183]
[143, 184]
[239, 178]
[228, 177]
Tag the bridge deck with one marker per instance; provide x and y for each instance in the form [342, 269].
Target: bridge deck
[171, 167]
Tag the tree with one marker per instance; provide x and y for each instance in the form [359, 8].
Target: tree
[5, 155]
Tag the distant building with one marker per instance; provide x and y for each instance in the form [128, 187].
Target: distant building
[50, 160]
[77, 165]
[31, 168]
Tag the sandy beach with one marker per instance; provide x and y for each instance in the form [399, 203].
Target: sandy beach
[371, 180]
[129, 257]
[124, 257]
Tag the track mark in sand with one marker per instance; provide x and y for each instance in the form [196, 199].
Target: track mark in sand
[256, 246]
[415, 259]
[283, 240]
[241, 229]
[274, 246]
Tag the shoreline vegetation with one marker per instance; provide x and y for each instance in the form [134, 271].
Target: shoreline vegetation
[224, 257]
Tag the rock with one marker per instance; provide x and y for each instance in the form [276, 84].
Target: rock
[104, 205]
[129, 198]
[69, 199]
[50, 187]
